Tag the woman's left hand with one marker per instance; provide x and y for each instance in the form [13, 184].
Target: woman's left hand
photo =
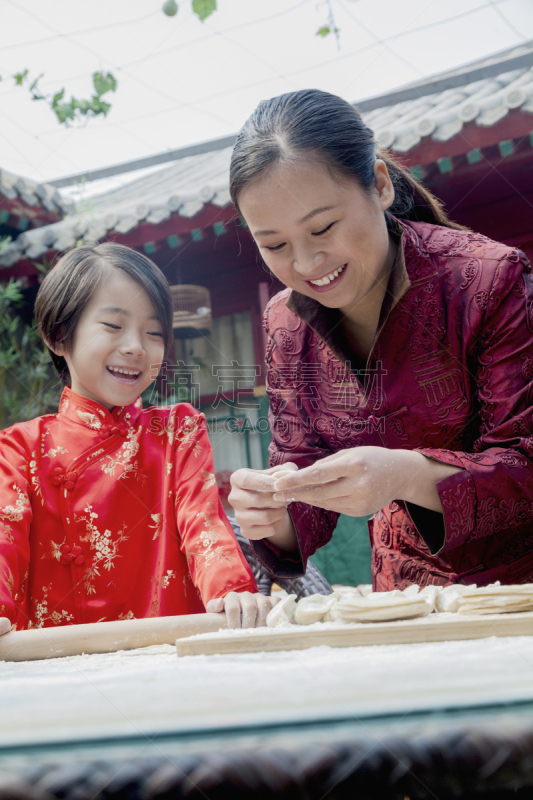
[244, 609]
[357, 481]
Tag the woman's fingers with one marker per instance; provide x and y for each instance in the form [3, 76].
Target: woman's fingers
[323, 471]
[255, 533]
[239, 498]
[317, 494]
[252, 480]
[252, 517]
[5, 625]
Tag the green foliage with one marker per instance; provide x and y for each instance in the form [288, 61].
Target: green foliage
[72, 109]
[27, 387]
[204, 8]
[325, 30]
[20, 77]
[329, 27]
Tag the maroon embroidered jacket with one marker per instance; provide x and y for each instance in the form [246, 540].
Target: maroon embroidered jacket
[450, 375]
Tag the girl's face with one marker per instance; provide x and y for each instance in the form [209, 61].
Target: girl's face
[321, 236]
[118, 343]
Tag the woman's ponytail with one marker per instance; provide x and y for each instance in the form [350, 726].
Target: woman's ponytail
[412, 200]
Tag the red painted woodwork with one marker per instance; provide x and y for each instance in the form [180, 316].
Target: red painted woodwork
[515, 125]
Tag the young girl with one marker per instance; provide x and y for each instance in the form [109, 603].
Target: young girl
[109, 511]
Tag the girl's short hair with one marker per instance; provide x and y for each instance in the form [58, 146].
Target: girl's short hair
[71, 283]
[313, 125]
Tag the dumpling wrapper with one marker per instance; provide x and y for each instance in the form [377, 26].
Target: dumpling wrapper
[494, 599]
[383, 606]
[282, 613]
[313, 608]
[281, 473]
[342, 591]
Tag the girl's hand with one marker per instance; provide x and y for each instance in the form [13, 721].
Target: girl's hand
[360, 480]
[256, 511]
[5, 625]
[244, 609]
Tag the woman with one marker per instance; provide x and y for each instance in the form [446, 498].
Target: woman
[400, 360]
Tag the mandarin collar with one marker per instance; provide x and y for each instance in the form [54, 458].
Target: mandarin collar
[95, 416]
[326, 322]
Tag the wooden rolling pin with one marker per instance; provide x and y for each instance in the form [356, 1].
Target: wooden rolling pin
[104, 637]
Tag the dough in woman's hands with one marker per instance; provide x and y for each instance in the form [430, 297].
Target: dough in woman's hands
[281, 473]
[282, 613]
[313, 608]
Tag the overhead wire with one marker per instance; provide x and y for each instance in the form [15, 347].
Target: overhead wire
[191, 42]
[371, 33]
[508, 22]
[358, 51]
[83, 31]
[196, 105]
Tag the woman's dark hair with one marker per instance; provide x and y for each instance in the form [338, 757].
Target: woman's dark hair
[69, 286]
[327, 128]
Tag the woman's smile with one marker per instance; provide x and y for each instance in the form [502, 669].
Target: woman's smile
[328, 281]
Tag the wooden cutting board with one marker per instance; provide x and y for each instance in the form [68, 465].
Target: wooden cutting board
[433, 628]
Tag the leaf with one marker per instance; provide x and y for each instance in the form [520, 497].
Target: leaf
[204, 8]
[20, 77]
[104, 83]
[57, 97]
[325, 30]
[63, 111]
[34, 83]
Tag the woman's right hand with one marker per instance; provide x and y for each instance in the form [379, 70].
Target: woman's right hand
[5, 625]
[258, 514]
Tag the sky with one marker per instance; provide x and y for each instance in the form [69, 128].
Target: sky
[182, 81]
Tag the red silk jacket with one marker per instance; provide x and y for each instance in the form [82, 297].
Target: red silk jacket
[112, 515]
[450, 375]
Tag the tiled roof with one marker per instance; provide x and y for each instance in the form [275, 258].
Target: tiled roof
[31, 194]
[442, 114]
[198, 179]
[426, 109]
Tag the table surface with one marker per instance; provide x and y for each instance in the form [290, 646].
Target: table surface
[153, 692]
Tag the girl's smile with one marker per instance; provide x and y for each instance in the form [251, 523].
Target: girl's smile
[124, 375]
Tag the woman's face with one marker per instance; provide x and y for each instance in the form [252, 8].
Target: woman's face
[322, 236]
